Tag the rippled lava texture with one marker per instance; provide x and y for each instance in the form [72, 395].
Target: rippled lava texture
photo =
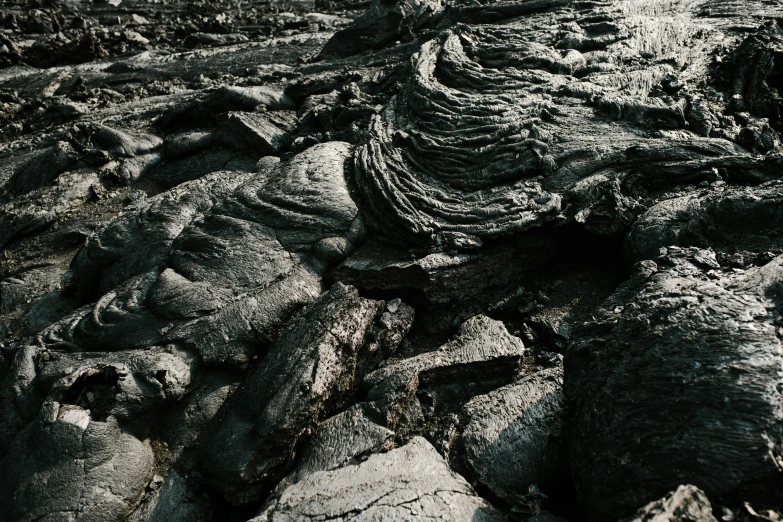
[462, 260]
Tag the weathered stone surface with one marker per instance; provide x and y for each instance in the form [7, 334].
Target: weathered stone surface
[345, 439]
[685, 503]
[409, 483]
[130, 386]
[194, 175]
[75, 454]
[452, 274]
[457, 281]
[443, 147]
[230, 97]
[234, 334]
[190, 417]
[262, 135]
[38, 209]
[171, 502]
[172, 172]
[427, 388]
[756, 75]
[305, 200]
[17, 291]
[677, 379]
[35, 171]
[726, 220]
[309, 373]
[67, 465]
[383, 24]
[512, 437]
[413, 201]
[140, 238]
[218, 239]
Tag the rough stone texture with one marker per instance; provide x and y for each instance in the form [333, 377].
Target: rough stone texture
[686, 503]
[141, 238]
[347, 438]
[305, 201]
[308, 374]
[192, 415]
[449, 156]
[263, 135]
[382, 24]
[66, 465]
[729, 221]
[756, 78]
[131, 386]
[37, 209]
[460, 279]
[227, 268]
[181, 181]
[408, 483]
[677, 379]
[17, 291]
[418, 390]
[513, 436]
[172, 502]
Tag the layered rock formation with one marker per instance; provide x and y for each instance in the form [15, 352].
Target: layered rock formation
[397, 260]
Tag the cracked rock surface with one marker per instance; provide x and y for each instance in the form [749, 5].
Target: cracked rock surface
[412, 482]
[391, 260]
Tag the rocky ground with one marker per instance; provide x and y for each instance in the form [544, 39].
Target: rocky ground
[393, 260]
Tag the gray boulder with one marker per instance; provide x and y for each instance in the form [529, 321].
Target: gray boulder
[513, 438]
[347, 438]
[409, 483]
[308, 374]
[686, 503]
[68, 465]
[677, 378]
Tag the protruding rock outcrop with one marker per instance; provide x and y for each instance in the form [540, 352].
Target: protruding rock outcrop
[685, 503]
[738, 223]
[309, 373]
[677, 379]
[513, 438]
[423, 389]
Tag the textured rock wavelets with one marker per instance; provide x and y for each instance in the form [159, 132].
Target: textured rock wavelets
[466, 117]
[140, 239]
[218, 263]
[306, 201]
[678, 379]
[500, 128]
[446, 156]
